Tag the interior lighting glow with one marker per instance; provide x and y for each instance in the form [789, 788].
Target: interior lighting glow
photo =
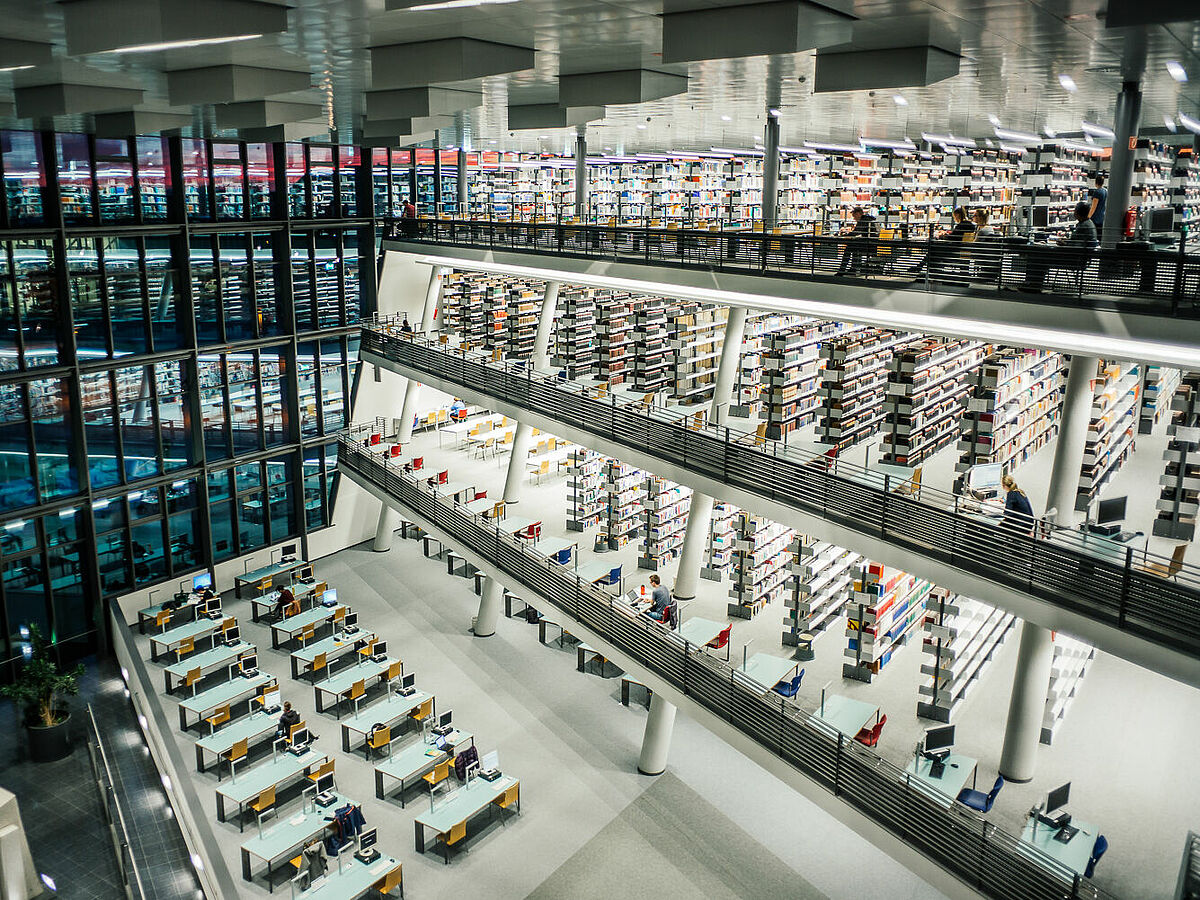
[1097, 130]
[774, 112]
[14, 68]
[1021, 137]
[1178, 72]
[994, 119]
[947, 140]
[726, 118]
[833, 148]
[1068, 83]
[900, 100]
[1189, 123]
[1170, 123]
[905, 144]
[456, 4]
[175, 45]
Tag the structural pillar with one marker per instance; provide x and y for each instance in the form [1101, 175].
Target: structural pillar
[656, 741]
[538, 359]
[1126, 122]
[489, 607]
[1035, 656]
[427, 325]
[770, 172]
[389, 521]
[463, 212]
[581, 183]
[699, 521]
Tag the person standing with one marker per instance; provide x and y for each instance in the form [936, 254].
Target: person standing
[1097, 200]
[1018, 511]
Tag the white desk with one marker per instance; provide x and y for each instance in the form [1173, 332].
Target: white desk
[1073, 855]
[232, 691]
[409, 763]
[388, 711]
[286, 839]
[198, 630]
[700, 631]
[352, 881]
[334, 647]
[290, 627]
[253, 728]
[301, 590]
[767, 669]
[343, 681]
[944, 790]
[249, 783]
[454, 490]
[219, 657]
[557, 548]
[462, 805]
[845, 714]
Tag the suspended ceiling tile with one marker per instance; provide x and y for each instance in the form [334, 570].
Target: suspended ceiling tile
[757, 29]
[291, 131]
[65, 99]
[404, 103]
[1150, 12]
[138, 121]
[551, 115]
[863, 70]
[19, 54]
[231, 84]
[623, 86]
[264, 113]
[392, 127]
[96, 26]
[449, 59]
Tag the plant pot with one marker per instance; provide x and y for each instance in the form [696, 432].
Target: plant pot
[48, 743]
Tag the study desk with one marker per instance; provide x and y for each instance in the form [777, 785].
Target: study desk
[460, 430]
[462, 805]
[292, 626]
[1100, 546]
[353, 880]
[150, 613]
[286, 839]
[409, 763]
[700, 631]
[845, 714]
[512, 524]
[301, 590]
[253, 728]
[246, 786]
[558, 549]
[272, 571]
[232, 691]
[767, 669]
[220, 656]
[944, 790]
[339, 684]
[1073, 855]
[599, 569]
[480, 507]
[388, 711]
[335, 646]
[198, 630]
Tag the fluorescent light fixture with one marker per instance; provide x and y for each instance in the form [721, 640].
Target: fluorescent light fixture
[1178, 72]
[989, 142]
[1022, 137]
[733, 152]
[899, 100]
[799, 151]
[1078, 145]
[905, 144]
[1089, 139]
[456, 4]
[15, 68]
[773, 112]
[1189, 123]
[1050, 132]
[994, 119]
[1013, 148]
[1067, 82]
[1170, 123]
[947, 140]
[833, 148]
[726, 118]
[641, 127]
[176, 45]
[1097, 130]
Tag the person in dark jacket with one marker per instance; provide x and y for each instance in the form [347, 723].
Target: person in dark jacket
[1084, 233]
[862, 230]
[962, 226]
[286, 598]
[287, 719]
[1018, 511]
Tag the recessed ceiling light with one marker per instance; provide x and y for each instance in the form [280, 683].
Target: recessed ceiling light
[994, 119]
[1068, 82]
[726, 118]
[1093, 130]
[15, 68]
[456, 4]
[542, 137]
[774, 112]
[1025, 137]
[1178, 72]
[641, 127]
[900, 100]
[493, 142]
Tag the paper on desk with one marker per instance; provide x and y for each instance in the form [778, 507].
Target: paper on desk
[296, 819]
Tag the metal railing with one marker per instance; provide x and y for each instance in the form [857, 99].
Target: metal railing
[990, 860]
[1129, 278]
[1188, 885]
[1056, 565]
[114, 815]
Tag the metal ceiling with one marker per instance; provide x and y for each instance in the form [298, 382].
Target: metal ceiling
[1013, 52]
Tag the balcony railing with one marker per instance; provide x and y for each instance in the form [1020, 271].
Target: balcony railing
[1131, 278]
[1063, 567]
[983, 856]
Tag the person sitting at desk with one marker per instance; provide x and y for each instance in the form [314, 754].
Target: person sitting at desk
[458, 410]
[286, 604]
[1083, 234]
[287, 719]
[937, 254]
[1018, 511]
[662, 607]
[864, 227]
[405, 328]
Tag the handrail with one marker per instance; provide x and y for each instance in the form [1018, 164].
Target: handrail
[1128, 278]
[1053, 564]
[111, 803]
[989, 859]
[1188, 885]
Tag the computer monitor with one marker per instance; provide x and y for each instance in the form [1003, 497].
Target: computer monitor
[213, 605]
[986, 477]
[380, 648]
[270, 697]
[367, 839]
[940, 738]
[300, 737]
[1159, 220]
[305, 574]
[233, 635]
[325, 784]
[1041, 217]
[445, 718]
[491, 761]
[1108, 511]
[350, 620]
[202, 581]
[250, 661]
[288, 550]
[1058, 798]
[408, 680]
[329, 598]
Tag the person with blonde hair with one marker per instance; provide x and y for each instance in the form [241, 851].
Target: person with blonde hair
[1018, 511]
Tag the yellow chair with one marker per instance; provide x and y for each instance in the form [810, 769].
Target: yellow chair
[451, 837]
[326, 768]
[220, 717]
[367, 651]
[498, 511]
[506, 800]
[190, 679]
[307, 633]
[392, 880]
[542, 470]
[394, 670]
[264, 802]
[356, 693]
[161, 619]
[439, 774]
[320, 661]
[422, 712]
[186, 648]
[378, 739]
[292, 731]
[228, 623]
[236, 754]
[912, 487]
[1173, 567]
[264, 586]
[339, 614]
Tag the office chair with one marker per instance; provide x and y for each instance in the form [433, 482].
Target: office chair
[505, 801]
[1098, 850]
[721, 641]
[1173, 566]
[418, 463]
[982, 802]
[379, 739]
[455, 834]
[869, 737]
[443, 476]
[787, 688]
[392, 880]
[481, 495]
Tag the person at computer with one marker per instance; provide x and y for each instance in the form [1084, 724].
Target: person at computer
[286, 604]
[1083, 233]
[660, 600]
[937, 254]
[287, 719]
[1018, 511]
[405, 328]
[863, 229]
[458, 410]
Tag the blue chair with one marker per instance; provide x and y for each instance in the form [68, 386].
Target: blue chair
[1098, 850]
[563, 556]
[977, 799]
[612, 577]
[787, 688]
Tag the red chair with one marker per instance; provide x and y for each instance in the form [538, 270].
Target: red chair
[869, 737]
[375, 439]
[481, 495]
[395, 451]
[722, 640]
[443, 476]
[531, 532]
[418, 463]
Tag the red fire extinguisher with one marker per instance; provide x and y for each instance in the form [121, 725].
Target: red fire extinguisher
[1130, 221]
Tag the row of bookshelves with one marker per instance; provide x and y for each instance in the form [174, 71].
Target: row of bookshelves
[1179, 497]
[961, 635]
[1111, 429]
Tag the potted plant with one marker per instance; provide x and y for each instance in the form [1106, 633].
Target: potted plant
[42, 690]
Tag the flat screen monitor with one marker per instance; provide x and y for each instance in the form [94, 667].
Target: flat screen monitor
[1108, 511]
[986, 477]
[213, 605]
[202, 581]
[300, 737]
[350, 620]
[249, 662]
[233, 635]
[288, 550]
[445, 718]
[306, 574]
[380, 648]
[367, 839]
[941, 738]
[325, 784]
[491, 761]
[1041, 217]
[330, 596]
[270, 698]
[408, 680]
[1058, 798]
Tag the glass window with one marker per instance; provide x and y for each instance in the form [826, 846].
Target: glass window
[328, 280]
[314, 506]
[218, 486]
[108, 514]
[182, 495]
[72, 610]
[10, 348]
[296, 181]
[37, 301]
[149, 560]
[126, 298]
[248, 476]
[162, 284]
[331, 477]
[220, 517]
[114, 180]
[273, 366]
[136, 412]
[228, 181]
[212, 408]
[114, 562]
[379, 182]
[18, 536]
[185, 532]
[303, 278]
[306, 374]
[154, 178]
[348, 161]
[173, 414]
[264, 287]
[283, 515]
[333, 386]
[53, 438]
[260, 172]
[87, 297]
[237, 289]
[100, 429]
[320, 176]
[65, 526]
[205, 295]
[196, 189]
[352, 263]
[251, 521]
[22, 177]
[75, 179]
[244, 405]
[24, 581]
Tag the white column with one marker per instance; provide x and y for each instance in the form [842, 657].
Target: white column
[389, 521]
[1072, 438]
[513, 480]
[433, 294]
[656, 742]
[695, 536]
[412, 391]
[1023, 730]
[489, 607]
[540, 358]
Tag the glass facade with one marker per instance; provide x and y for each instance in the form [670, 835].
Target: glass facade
[178, 334]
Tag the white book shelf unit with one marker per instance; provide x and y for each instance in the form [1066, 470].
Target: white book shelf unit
[961, 636]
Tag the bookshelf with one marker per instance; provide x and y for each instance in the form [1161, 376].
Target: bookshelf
[622, 520]
[1071, 659]
[852, 385]
[1111, 429]
[575, 332]
[886, 605]
[791, 367]
[586, 495]
[1180, 495]
[614, 344]
[1159, 384]
[1054, 180]
[822, 575]
[1185, 189]
[961, 636]
[651, 355]
[1153, 170]
[696, 335]
[761, 559]
[665, 506]
[524, 307]
[718, 555]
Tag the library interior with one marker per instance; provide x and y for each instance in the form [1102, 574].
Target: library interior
[727, 448]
